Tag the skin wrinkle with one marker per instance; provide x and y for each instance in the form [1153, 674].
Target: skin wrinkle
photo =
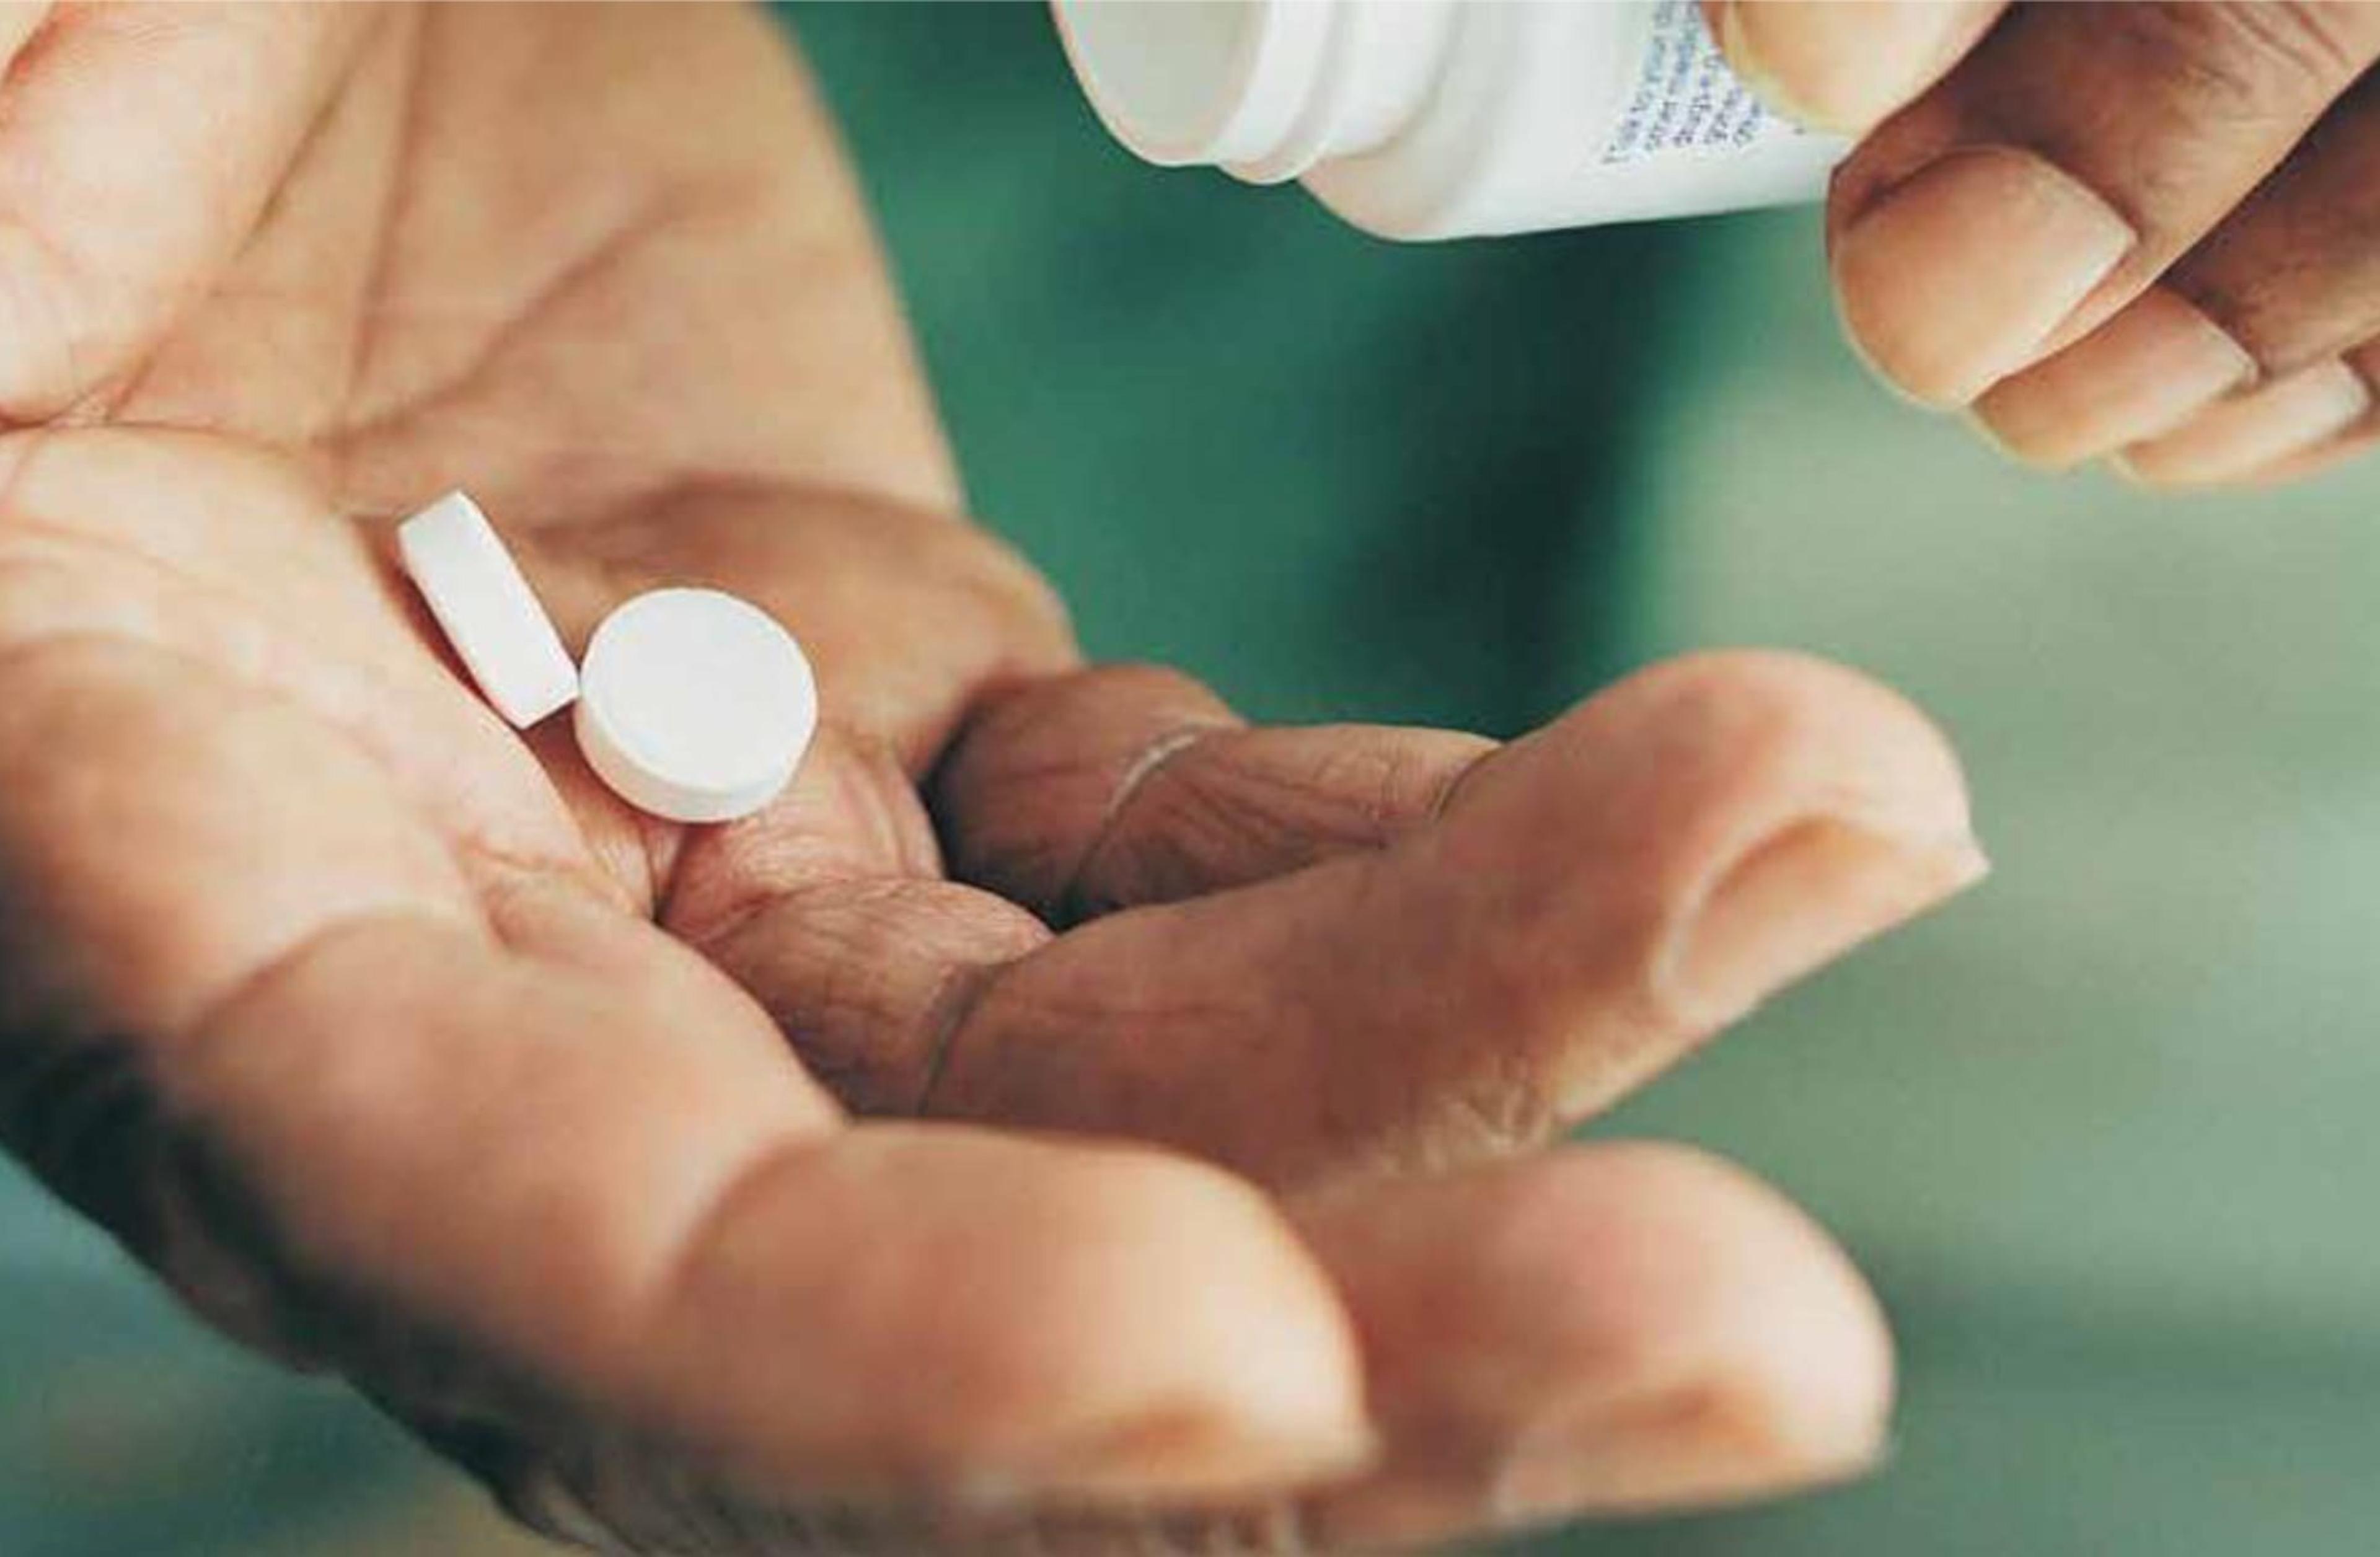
[736, 1183]
[92, 404]
[1667, 1000]
[24, 524]
[477, 847]
[758, 896]
[363, 338]
[672, 1504]
[20, 448]
[135, 382]
[2302, 38]
[644, 218]
[962, 995]
[1068, 905]
[94, 400]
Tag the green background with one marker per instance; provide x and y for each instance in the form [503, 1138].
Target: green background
[2101, 1132]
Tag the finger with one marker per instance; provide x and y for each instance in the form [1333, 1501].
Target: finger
[866, 975]
[1612, 1329]
[1842, 66]
[663, 1225]
[140, 145]
[2154, 366]
[2358, 439]
[1593, 900]
[2289, 279]
[2241, 438]
[522, 1158]
[2010, 209]
[828, 904]
[1131, 784]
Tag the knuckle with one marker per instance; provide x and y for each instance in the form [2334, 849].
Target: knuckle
[2263, 313]
[2246, 60]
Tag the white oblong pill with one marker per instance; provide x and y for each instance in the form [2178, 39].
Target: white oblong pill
[487, 609]
[695, 705]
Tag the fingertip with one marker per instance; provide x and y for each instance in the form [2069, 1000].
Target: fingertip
[2156, 364]
[2011, 446]
[1962, 273]
[1844, 69]
[1757, 1359]
[1259, 1385]
[1610, 1328]
[1747, 733]
[920, 1310]
[2250, 436]
[1713, 827]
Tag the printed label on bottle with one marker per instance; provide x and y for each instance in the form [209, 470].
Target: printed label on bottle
[1686, 98]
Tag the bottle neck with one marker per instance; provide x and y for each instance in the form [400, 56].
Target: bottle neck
[1265, 88]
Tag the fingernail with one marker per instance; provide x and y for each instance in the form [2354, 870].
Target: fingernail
[1658, 1453]
[2238, 438]
[1181, 1455]
[1801, 898]
[2142, 374]
[1957, 275]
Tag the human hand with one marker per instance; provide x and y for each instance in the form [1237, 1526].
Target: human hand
[2136, 231]
[691, 1181]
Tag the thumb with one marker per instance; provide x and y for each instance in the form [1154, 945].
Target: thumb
[138, 144]
[1840, 66]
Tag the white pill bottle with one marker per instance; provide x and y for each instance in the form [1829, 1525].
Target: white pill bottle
[1446, 118]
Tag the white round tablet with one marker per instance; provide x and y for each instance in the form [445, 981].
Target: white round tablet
[695, 705]
[487, 609]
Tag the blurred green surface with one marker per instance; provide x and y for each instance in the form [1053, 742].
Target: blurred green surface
[2101, 1132]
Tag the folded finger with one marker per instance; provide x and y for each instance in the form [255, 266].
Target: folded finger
[2289, 280]
[2066, 163]
[2358, 438]
[1130, 784]
[2247, 435]
[1590, 902]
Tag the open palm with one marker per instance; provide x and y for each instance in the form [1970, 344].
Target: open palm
[593, 1145]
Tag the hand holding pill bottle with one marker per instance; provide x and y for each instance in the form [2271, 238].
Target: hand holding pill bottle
[1446, 118]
